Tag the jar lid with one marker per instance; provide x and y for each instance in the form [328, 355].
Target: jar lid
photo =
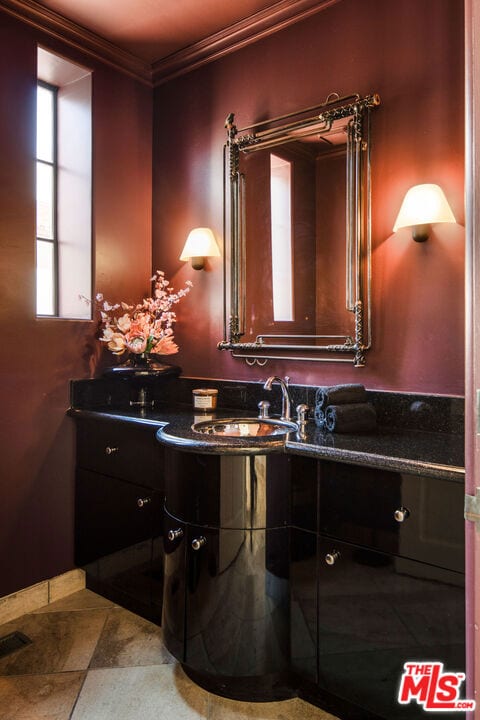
[205, 391]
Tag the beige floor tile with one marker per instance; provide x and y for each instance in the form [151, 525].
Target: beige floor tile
[158, 692]
[80, 600]
[295, 709]
[131, 677]
[40, 697]
[61, 641]
[129, 640]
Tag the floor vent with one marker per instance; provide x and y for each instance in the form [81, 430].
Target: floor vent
[12, 642]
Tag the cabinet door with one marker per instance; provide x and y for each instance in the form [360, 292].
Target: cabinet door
[376, 612]
[237, 602]
[114, 526]
[111, 515]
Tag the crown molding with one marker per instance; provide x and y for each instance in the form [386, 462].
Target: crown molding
[247, 31]
[78, 37]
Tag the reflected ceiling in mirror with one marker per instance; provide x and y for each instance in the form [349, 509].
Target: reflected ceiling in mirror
[297, 216]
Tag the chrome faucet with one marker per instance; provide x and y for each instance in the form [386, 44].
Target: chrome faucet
[285, 397]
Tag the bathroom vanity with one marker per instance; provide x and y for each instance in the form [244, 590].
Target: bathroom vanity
[289, 575]
[313, 566]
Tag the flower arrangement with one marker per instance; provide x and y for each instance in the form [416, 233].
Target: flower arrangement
[146, 327]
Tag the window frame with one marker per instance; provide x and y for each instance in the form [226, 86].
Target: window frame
[54, 165]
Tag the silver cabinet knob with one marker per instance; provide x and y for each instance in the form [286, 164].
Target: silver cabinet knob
[110, 450]
[175, 534]
[401, 514]
[199, 542]
[141, 502]
[331, 558]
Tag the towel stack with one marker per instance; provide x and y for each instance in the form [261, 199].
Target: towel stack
[344, 409]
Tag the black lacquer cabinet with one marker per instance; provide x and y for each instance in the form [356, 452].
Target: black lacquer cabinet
[119, 501]
[285, 575]
[377, 580]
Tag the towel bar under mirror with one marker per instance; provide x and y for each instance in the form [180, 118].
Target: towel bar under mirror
[297, 261]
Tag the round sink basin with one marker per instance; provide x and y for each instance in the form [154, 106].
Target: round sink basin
[244, 427]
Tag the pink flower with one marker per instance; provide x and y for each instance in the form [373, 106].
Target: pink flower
[123, 323]
[145, 327]
[107, 334]
[140, 325]
[165, 346]
[116, 344]
[137, 344]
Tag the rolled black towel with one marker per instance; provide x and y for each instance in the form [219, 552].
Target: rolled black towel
[341, 395]
[353, 418]
[319, 416]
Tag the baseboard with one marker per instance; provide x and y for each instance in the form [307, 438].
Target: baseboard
[41, 594]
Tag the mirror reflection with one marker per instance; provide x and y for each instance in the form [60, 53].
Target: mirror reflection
[297, 205]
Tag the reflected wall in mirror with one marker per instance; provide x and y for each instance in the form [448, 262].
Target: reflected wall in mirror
[297, 217]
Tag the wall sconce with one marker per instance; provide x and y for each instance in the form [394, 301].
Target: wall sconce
[422, 206]
[200, 244]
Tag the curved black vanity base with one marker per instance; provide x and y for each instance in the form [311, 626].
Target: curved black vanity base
[261, 688]
[226, 615]
[286, 578]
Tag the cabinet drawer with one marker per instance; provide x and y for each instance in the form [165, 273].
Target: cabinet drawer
[414, 517]
[227, 491]
[120, 450]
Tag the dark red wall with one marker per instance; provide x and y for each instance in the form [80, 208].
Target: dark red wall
[39, 357]
[411, 53]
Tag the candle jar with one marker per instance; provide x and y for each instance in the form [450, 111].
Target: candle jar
[205, 399]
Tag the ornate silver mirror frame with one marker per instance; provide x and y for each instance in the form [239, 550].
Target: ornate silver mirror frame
[352, 115]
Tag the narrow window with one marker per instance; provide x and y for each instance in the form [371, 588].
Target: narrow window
[64, 187]
[281, 234]
[47, 254]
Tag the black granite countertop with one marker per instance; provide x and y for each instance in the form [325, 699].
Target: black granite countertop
[174, 428]
[436, 454]
[414, 451]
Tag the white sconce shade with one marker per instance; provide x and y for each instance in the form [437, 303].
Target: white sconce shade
[422, 206]
[200, 244]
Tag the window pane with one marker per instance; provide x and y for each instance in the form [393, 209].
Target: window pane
[64, 186]
[45, 123]
[45, 201]
[281, 228]
[45, 278]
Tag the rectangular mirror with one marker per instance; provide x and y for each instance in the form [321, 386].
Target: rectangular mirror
[297, 220]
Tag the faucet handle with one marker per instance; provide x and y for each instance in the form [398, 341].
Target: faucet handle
[302, 411]
[263, 407]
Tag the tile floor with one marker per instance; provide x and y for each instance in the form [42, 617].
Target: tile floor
[93, 660]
